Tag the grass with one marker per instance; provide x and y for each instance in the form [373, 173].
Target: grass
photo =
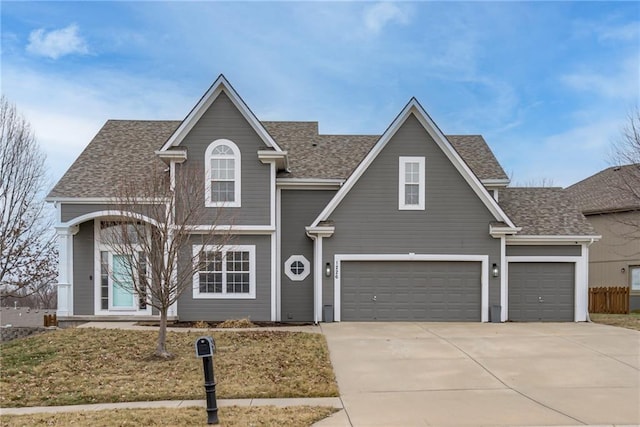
[229, 417]
[629, 321]
[78, 366]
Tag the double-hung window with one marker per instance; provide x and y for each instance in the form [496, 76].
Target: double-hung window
[222, 168]
[224, 272]
[411, 188]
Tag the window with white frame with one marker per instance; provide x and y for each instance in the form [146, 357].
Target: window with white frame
[222, 169]
[411, 193]
[297, 268]
[634, 272]
[224, 272]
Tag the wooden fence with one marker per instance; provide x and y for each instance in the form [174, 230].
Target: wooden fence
[611, 300]
[50, 320]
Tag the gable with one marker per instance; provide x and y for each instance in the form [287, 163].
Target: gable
[452, 210]
[414, 112]
[222, 120]
[219, 87]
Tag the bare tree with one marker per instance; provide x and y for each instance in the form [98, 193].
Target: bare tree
[625, 157]
[154, 258]
[27, 245]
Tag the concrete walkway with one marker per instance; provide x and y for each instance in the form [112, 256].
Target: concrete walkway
[333, 402]
[470, 374]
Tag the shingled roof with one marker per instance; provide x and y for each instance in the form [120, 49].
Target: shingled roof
[544, 212]
[121, 148]
[614, 189]
[126, 147]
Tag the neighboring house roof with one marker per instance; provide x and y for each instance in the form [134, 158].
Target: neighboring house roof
[547, 211]
[121, 147]
[614, 189]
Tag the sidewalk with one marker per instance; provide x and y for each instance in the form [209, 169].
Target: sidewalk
[333, 402]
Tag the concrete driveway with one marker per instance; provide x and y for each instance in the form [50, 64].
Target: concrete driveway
[456, 374]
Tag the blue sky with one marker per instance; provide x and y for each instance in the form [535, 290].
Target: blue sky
[548, 84]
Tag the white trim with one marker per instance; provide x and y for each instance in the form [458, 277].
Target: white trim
[484, 274]
[220, 85]
[235, 229]
[172, 155]
[402, 166]
[504, 288]
[65, 270]
[278, 254]
[581, 274]
[549, 240]
[272, 195]
[413, 107]
[322, 230]
[280, 158]
[274, 285]
[498, 231]
[237, 174]
[109, 213]
[297, 277]
[493, 182]
[308, 183]
[100, 200]
[225, 249]
[97, 283]
[317, 283]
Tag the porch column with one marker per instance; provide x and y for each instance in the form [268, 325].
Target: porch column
[65, 270]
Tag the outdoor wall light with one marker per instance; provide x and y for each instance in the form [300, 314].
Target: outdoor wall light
[495, 271]
[327, 270]
[623, 270]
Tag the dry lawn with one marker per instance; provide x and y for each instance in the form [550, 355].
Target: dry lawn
[76, 366]
[229, 417]
[629, 321]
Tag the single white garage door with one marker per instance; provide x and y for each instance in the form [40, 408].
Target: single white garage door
[541, 291]
[411, 290]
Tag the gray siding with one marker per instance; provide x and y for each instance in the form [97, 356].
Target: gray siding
[544, 250]
[224, 120]
[299, 209]
[83, 273]
[455, 220]
[70, 211]
[634, 302]
[190, 309]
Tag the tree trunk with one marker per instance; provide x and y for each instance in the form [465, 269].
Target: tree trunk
[161, 349]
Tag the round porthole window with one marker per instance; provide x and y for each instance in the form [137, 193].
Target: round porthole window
[297, 268]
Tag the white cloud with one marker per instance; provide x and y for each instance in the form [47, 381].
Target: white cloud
[628, 32]
[621, 84]
[56, 43]
[379, 15]
[65, 113]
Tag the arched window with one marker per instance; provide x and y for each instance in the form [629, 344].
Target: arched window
[222, 168]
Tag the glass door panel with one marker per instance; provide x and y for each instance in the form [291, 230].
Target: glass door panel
[122, 285]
